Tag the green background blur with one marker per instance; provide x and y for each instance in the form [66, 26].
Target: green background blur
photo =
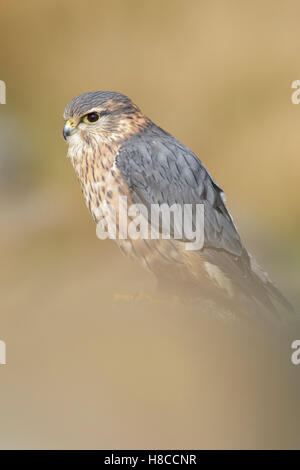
[83, 370]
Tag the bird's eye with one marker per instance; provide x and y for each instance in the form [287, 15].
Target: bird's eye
[91, 117]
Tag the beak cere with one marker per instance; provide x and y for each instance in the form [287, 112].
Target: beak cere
[69, 129]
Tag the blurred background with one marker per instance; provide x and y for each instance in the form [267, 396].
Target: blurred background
[85, 370]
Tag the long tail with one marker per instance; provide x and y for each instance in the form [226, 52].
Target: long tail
[252, 286]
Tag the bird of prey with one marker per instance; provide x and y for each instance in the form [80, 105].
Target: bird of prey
[117, 151]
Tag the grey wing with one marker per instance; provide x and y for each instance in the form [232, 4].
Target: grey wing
[159, 169]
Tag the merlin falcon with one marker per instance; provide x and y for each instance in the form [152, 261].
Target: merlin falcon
[117, 152]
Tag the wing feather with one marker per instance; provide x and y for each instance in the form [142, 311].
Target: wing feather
[158, 169]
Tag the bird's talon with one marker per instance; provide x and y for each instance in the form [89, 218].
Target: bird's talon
[123, 298]
[144, 297]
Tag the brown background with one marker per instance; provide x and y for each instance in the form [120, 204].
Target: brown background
[84, 371]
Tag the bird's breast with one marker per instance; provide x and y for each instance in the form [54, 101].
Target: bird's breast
[101, 181]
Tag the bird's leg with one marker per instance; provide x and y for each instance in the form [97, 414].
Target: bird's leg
[146, 298]
[167, 292]
[123, 298]
[140, 297]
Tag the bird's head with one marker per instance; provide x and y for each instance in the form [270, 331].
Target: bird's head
[102, 117]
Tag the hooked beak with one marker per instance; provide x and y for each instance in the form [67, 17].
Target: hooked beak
[69, 129]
